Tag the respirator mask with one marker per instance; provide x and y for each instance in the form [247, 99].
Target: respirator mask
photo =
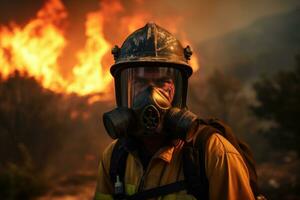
[150, 99]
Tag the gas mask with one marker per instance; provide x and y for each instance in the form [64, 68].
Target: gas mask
[150, 110]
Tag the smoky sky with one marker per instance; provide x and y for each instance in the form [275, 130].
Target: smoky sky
[205, 19]
[201, 19]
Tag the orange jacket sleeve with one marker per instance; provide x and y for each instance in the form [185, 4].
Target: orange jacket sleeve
[226, 171]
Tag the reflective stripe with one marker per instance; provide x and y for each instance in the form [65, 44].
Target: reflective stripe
[101, 196]
[130, 189]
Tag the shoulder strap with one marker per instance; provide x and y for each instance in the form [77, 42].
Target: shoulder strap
[118, 162]
[194, 162]
[196, 185]
[250, 162]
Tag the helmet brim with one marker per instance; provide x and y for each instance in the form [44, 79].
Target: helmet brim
[185, 69]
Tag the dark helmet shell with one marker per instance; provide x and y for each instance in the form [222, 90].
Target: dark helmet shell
[151, 44]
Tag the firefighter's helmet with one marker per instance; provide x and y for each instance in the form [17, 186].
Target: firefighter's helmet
[151, 47]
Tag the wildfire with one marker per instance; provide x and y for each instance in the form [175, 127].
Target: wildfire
[36, 47]
[89, 76]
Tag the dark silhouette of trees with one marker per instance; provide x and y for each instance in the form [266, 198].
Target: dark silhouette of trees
[278, 99]
[31, 130]
[45, 136]
[29, 115]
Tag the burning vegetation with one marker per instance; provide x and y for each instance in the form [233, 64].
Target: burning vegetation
[50, 107]
[37, 47]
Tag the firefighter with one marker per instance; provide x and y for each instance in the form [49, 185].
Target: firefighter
[151, 125]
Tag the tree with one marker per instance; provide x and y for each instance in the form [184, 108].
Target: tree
[44, 135]
[278, 99]
[29, 115]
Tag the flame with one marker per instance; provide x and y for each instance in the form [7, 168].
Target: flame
[36, 47]
[89, 72]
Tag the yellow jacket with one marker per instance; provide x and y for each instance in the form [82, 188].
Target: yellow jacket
[225, 169]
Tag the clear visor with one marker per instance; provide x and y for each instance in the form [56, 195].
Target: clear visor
[136, 80]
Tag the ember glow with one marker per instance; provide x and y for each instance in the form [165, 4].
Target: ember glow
[35, 48]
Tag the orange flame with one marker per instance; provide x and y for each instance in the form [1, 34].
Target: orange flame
[36, 47]
[89, 59]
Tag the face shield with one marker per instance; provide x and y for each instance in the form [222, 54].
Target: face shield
[150, 103]
[136, 80]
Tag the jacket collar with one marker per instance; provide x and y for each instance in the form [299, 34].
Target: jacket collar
[165, 153]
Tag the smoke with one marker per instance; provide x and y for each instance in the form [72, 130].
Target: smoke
[202, 19]
[208, 19]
